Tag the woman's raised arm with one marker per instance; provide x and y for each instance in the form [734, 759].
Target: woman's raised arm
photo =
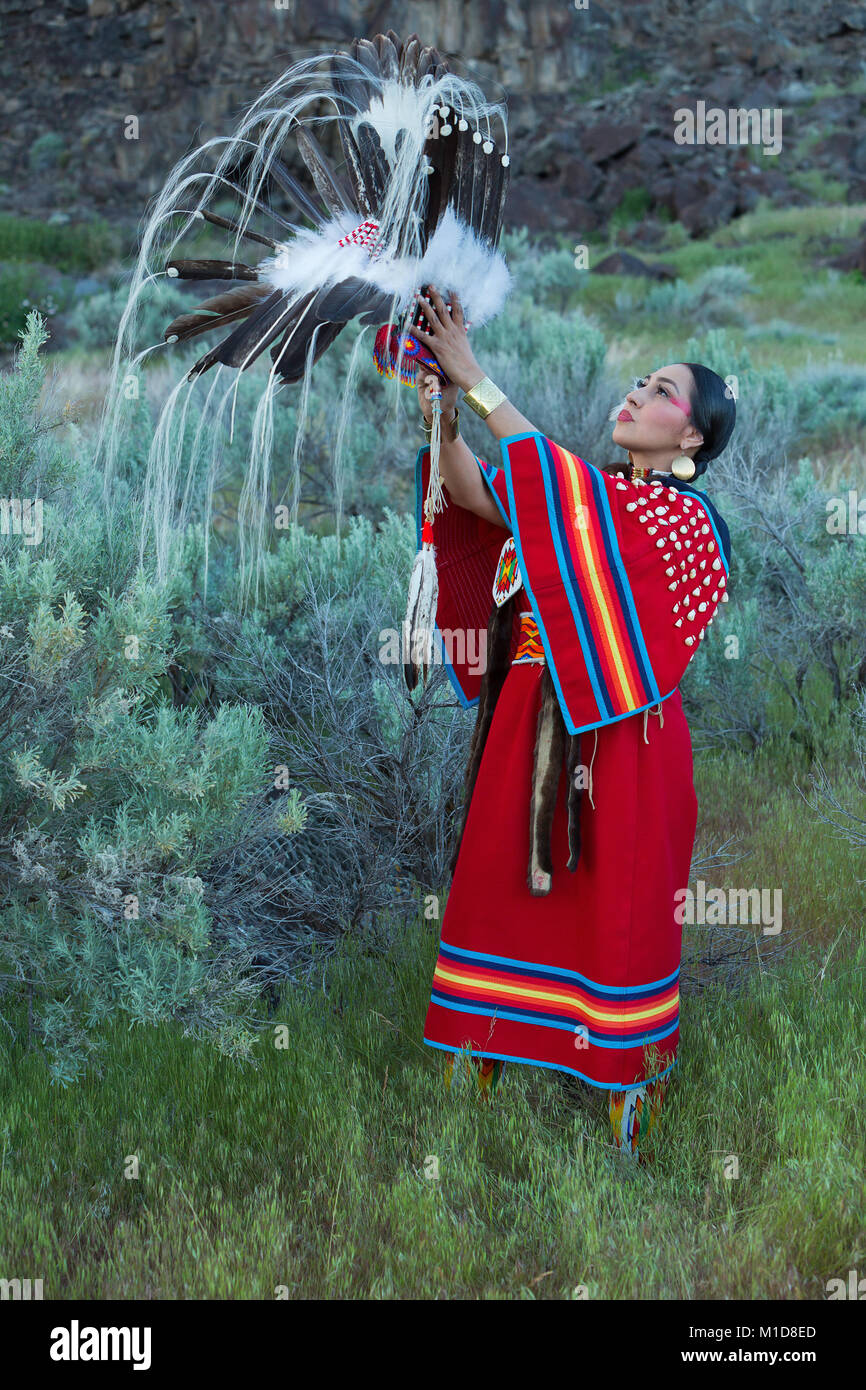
[457, 463]
[449, 343]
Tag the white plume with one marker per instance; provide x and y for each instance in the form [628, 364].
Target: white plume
[455, 260]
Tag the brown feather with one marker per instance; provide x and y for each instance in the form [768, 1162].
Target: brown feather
[355, 170]
[461, 191]
[374, 165]
[352, 91]
[349, 297]
[212, 270]
[409, 59]
[431, 61]
[249, 339]
[290, 353]
[213, 313]
[364, 51]
[230, 226]
[444, 152]
[387, 53]
[495, 190]
[331, 188]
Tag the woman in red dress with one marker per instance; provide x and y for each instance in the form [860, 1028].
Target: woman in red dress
[561, 938]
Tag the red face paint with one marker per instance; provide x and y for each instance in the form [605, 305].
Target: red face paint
[683, 405]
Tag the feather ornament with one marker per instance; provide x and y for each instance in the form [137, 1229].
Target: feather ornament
[415, 195]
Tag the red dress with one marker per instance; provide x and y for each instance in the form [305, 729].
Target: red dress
[584, 979]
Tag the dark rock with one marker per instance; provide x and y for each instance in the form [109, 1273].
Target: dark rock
[838, 147]
[605, 141]
[841, 20]
[648, 232]
[579, 143]
[624, 263]
[747, 200]
[581, 179]
[709, 212]
[854, 259]
[690, 190]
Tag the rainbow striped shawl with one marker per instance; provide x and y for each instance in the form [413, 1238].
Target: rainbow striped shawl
[622, 577]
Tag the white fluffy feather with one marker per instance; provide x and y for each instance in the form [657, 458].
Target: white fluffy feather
[454, 260]
[394, 108]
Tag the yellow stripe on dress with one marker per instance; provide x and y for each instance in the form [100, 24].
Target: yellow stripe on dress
[598, 588]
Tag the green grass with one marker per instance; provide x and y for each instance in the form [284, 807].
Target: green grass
[64, 245]
[20, 286]
[30, 249]
[308, 1172]
[780, 247]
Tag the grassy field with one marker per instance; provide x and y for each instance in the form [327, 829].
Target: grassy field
[822, 309]
[313, 1171]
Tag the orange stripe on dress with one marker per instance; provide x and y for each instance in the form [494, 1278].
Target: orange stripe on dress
[615, 1017]
[611, 636]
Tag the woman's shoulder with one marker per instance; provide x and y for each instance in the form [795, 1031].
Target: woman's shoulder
[719, 520]
[621, 471]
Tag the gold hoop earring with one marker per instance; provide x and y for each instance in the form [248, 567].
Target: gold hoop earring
[683, 468]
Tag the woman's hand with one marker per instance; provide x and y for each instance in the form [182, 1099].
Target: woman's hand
[449, 396]
[448, 341]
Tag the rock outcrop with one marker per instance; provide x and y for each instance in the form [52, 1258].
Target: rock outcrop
[592, 95]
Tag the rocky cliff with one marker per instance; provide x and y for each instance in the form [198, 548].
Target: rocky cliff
[592, 95]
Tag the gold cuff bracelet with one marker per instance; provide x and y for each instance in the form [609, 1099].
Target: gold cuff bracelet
[484, 397]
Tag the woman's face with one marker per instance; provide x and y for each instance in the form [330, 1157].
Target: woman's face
[654, 418]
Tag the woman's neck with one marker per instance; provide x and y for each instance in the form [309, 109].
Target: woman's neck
[643, 469]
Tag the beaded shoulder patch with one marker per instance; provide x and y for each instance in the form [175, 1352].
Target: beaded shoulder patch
[508, 577]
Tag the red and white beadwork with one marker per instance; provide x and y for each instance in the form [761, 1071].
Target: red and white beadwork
[366, 235]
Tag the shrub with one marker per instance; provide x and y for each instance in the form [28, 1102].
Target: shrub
[64, 245]
[93, 321]
[22, 288]
[804, 583]
[112, 801]
[712, 299]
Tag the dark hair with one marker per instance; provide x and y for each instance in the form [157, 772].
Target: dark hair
[714, 413]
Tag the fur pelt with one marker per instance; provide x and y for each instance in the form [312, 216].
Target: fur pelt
[555, 748]
[550, 742]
